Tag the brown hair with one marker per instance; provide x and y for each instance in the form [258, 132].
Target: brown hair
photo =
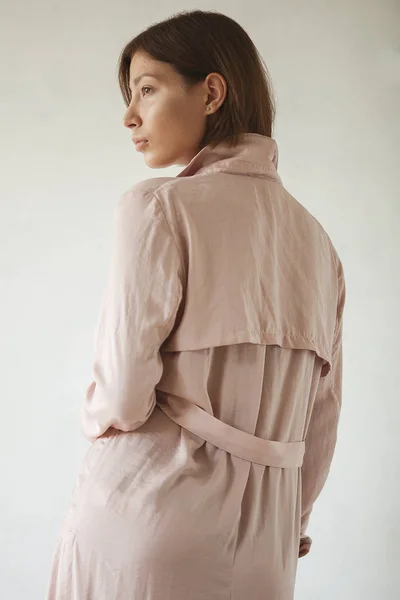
[197, 43]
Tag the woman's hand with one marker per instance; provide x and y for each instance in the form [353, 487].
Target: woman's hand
[305, 546]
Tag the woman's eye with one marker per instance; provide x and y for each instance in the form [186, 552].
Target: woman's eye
[145, 87]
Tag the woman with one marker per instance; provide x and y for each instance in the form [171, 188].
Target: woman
[216, 391]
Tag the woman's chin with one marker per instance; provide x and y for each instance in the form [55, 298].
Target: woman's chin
[155, 162]
[150, 162]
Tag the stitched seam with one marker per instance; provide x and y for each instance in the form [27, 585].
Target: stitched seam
[281, 332]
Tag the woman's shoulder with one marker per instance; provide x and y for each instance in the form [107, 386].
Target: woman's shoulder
[146, 187]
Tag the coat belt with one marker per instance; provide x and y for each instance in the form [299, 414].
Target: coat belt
[235, 441]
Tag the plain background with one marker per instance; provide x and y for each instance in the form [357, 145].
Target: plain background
[66, 158]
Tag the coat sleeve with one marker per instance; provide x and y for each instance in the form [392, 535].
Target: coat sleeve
[320, 440]
[138, 311]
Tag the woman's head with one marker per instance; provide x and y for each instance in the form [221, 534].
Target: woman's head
[212, 85]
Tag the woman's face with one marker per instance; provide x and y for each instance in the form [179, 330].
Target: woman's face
[170, 116]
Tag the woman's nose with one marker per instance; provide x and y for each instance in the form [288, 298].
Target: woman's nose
[130, 118]
[127, 121]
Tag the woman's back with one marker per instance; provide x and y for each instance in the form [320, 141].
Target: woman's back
[240, 334]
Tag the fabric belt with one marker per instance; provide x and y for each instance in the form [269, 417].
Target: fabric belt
[239, 443]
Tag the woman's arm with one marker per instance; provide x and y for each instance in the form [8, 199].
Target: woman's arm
[322, 431]
[138, 312]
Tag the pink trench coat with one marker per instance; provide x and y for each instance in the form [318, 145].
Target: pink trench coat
[216, 390]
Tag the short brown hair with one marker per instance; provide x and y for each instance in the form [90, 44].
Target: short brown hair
[197, 43]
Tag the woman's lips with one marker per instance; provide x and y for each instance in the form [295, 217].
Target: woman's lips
[139, 145]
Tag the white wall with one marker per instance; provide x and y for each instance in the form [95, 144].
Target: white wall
[66, 158]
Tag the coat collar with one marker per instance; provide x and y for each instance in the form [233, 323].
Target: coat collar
[255, 155]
